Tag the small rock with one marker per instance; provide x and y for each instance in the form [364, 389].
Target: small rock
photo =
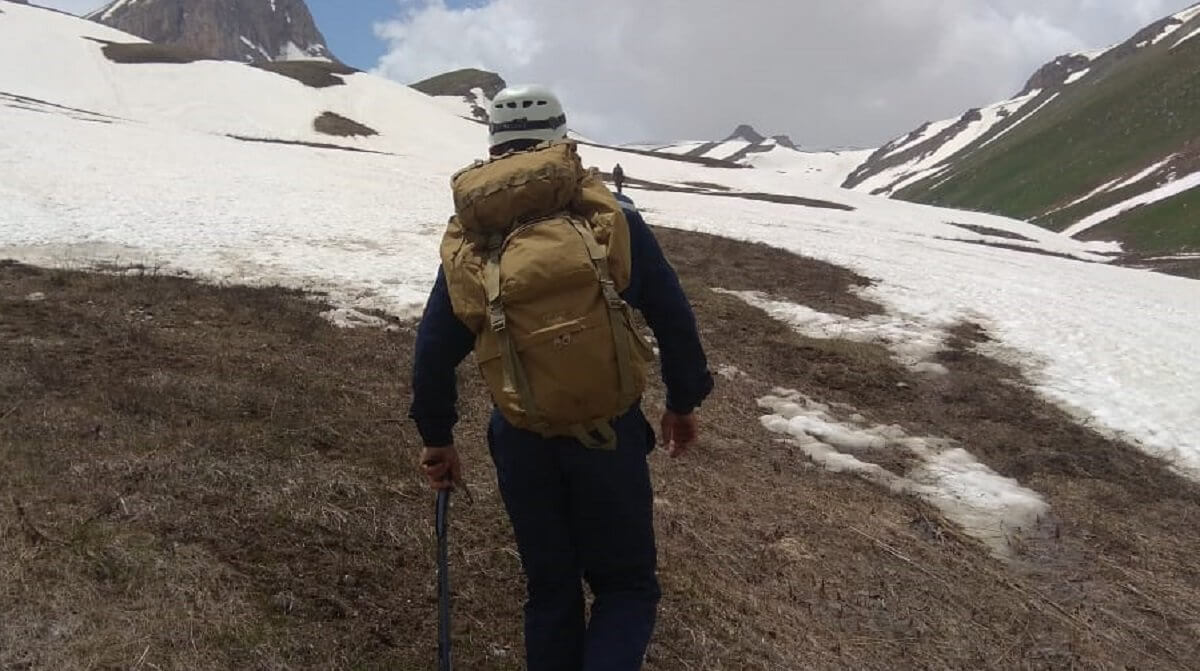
[35, 297]
[902, 385]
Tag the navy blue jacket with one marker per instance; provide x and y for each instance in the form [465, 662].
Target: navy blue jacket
[443, 341]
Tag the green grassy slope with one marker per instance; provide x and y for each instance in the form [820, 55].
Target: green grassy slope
[1136, 107]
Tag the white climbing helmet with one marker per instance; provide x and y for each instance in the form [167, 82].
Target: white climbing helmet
[526, 113]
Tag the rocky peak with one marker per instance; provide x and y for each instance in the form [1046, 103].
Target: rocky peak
[746, 132]
[462, 83]
[240, 30]
[1055, 73]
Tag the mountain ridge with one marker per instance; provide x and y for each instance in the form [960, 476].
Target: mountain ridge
[1099, 144]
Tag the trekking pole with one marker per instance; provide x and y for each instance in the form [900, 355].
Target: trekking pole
[441, 521]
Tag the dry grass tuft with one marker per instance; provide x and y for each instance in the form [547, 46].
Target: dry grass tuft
[317, 74]
[143, 52]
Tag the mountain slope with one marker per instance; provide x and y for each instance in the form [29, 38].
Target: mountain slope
[238, 30]
[1090, 137]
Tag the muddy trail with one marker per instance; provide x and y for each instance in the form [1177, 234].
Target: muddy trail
[200, 477]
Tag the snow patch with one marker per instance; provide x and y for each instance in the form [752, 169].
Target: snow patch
[1187, 37]
[291, 51]
[932, 130]
[1166, 32]
[1188, 14]
[1076, 76]
[348, 318]
[930, 368]
[1116, 184]
[1018, 122]
[1094, 53]
[911, 341]
[115, 6]
[730, 372]
[1175, 257]
[246, 41]
[985, 504]
[1144, 173]
[1163, 192]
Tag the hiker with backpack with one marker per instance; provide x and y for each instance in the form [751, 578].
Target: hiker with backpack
[618, 175]
[541, 266]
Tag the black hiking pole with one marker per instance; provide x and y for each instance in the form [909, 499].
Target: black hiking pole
[441, 521]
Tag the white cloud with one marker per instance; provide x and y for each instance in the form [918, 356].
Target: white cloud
[70, 6]
[829, 73]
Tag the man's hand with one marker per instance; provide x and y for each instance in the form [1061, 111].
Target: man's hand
[441, 467]
[679, 432]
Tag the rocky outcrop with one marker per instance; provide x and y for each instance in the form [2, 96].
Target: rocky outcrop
[1054, 74]
[462, 83]
[475, 87]
[785, 141]
[239, 30]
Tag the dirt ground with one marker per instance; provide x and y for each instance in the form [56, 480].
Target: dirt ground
[200, 477]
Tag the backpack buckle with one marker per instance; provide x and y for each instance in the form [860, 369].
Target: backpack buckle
[496, 316]
[609, 288]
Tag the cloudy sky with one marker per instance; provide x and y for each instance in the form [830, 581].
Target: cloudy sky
[828, 72]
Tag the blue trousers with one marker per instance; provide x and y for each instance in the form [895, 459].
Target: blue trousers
[582, 513]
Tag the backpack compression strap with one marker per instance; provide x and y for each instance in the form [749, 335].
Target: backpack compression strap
[616, 306]
[514, 372]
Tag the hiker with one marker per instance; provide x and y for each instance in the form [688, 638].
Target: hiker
[566, 368]
[619, 178]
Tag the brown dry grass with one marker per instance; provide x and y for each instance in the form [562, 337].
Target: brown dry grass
[302, 143]
[317, 74]
[994, 232]
[330, 123]
[208, 478]
[143, 52]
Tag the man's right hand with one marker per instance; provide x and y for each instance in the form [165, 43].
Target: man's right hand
[679, 432]
[441, 467]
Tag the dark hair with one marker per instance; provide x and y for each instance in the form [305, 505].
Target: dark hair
[514, 145]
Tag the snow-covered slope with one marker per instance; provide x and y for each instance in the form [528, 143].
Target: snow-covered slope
[101, 161]
[925, 152]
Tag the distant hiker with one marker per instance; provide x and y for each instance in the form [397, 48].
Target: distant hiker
[619, 178]
[545, 305]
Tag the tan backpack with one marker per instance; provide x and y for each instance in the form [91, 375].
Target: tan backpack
[535, 258]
